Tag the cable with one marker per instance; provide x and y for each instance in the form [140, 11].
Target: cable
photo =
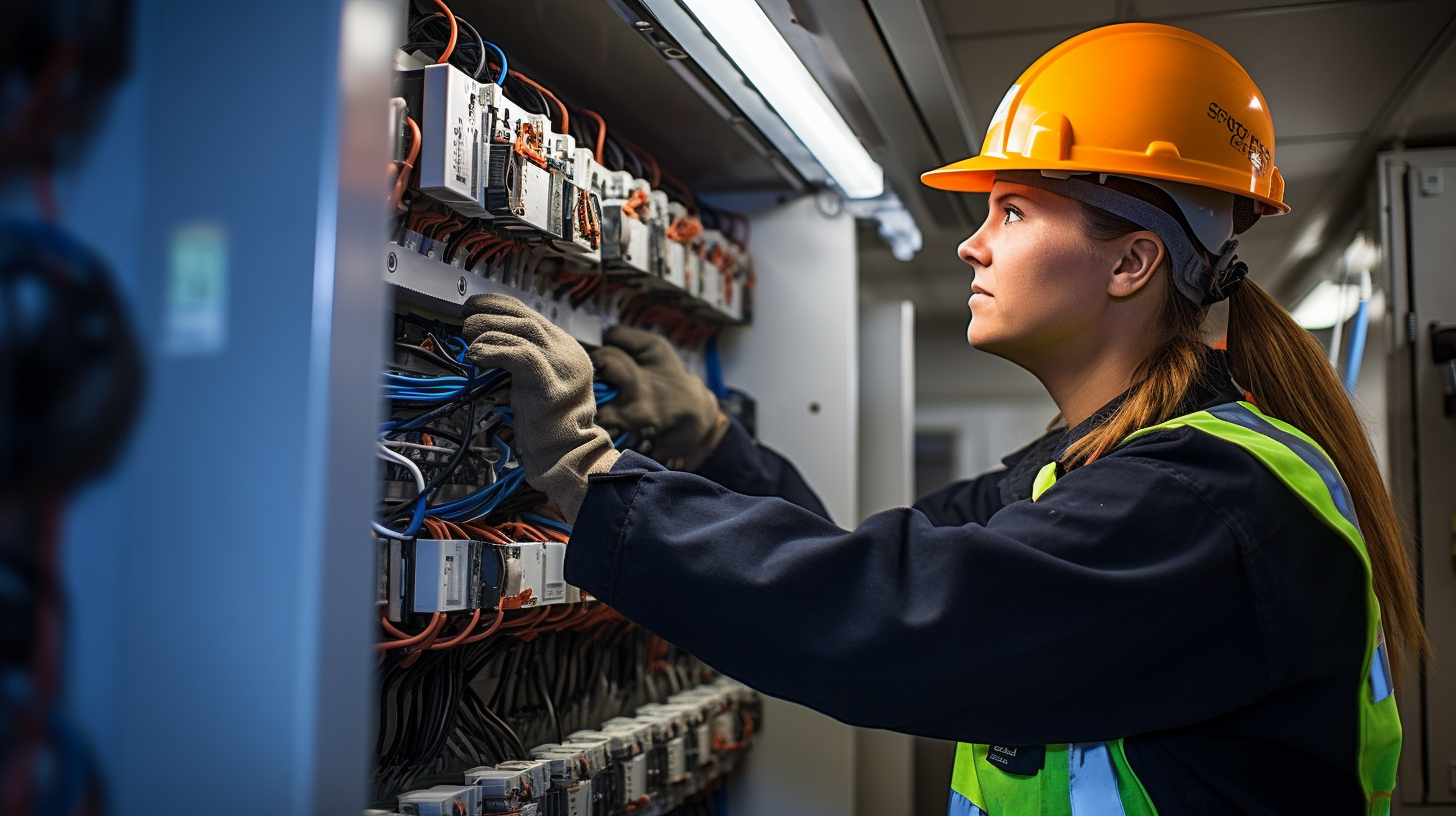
[407, 167]
[414, 469]
[601, 131]
[504, 64]
[454, 31]
[565, 114]
[435, 623]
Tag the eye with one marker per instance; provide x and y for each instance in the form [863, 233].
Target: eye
[1012, 215]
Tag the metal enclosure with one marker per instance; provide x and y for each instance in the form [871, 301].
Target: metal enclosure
[216, 583]
[1417, 192]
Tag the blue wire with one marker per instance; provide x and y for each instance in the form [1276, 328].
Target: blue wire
[419, 517]
[1357, 346]
[505, 69]
[482, 502]
[558, 526]
[605, 392]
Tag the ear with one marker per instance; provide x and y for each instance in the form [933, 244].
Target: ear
[1140, 255]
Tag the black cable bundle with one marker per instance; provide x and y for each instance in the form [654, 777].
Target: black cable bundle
[429, 33]
[489, 702]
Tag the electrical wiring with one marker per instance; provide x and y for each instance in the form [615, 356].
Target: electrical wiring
[395, 443]
[458, 638]
[560, 108]
[601, 139]
[654, 172]
[436, 621]
[414, 469]
[454, 31]
[542, 521]
[407, 167]
[505, 71]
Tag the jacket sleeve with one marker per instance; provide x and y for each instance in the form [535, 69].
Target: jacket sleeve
[1114, 605]
[744, 466]
[975, 501]
[969, 501]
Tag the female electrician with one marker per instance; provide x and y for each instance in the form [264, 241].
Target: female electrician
[1171, 604]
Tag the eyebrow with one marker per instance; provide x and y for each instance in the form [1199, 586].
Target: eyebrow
[1002, 198]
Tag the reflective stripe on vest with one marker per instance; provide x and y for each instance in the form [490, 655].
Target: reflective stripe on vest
[1095, 779]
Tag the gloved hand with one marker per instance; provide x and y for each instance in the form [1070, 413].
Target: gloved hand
[551, 393]
[658, 397]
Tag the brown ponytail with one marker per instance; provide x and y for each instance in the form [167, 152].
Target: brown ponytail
[1286, 370]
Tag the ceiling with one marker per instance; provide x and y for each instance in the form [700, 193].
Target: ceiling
[1342, 78]
[917, 80]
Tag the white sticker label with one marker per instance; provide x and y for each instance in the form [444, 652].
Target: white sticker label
[196, 316]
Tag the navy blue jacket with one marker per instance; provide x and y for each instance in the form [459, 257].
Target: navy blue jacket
[1173, 593]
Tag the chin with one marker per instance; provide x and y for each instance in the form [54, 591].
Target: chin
[980, 335]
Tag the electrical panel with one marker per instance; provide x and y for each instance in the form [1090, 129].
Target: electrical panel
[502, 688]
[649, 763]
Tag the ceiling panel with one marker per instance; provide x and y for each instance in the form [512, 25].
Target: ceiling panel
[978, 17]
[1153, 9]
[988, 65]
[1303, 163]
[1328, 69]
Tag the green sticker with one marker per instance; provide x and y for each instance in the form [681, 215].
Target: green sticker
[197, 291]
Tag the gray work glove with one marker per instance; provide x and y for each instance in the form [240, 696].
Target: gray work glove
[551, 393]
[658, 397]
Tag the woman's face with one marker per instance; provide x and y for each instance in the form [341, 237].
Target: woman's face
[1039, 281]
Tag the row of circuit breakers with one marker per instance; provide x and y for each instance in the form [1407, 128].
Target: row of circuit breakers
[644, 765]
[487, 158]
[435, 575]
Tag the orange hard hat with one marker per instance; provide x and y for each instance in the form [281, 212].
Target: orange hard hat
[1134, 99]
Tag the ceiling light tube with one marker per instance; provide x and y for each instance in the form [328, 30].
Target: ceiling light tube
[750, 40]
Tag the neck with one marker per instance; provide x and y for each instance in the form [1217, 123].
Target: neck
[1085, 376]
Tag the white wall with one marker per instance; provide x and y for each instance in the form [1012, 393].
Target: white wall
[991, 406]
[801, 351]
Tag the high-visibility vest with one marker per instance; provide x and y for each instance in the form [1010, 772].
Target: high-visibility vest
[1095, 779]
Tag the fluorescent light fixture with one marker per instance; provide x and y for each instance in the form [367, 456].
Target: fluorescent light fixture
[747, 36]
[1327, 304]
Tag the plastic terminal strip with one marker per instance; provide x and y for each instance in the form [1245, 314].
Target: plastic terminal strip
[439, 575]
[647, 764]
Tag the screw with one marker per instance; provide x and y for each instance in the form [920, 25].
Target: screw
[461, 286]
[392, 263]
[642, 25]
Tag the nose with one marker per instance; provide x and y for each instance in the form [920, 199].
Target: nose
[975, 251]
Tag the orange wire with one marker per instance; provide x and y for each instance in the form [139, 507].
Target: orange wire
[500, 615]
[423, 647]
[401, 182]
[434, 626]
[460, 638]
[601, 131]
[565, 116]
[449, 46]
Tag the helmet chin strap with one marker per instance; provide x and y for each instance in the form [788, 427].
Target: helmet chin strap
[1194, 277]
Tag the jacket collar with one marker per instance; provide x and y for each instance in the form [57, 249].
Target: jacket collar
[1214, 386]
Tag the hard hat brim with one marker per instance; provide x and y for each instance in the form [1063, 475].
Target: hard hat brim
[978, 173]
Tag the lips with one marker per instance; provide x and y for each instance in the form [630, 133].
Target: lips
[977, 290]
